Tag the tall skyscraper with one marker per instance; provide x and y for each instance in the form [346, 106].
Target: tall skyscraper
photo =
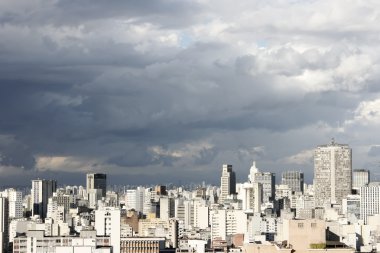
[369, 200]
[96, 181]
[41, 191]
[360, 178]
[227, 182]
[4, 224]
[332, 173]
[293, 179]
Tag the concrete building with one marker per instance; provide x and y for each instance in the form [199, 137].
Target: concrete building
[227, 182]
[266, 179]
[15, 202]
[369, 200]
[332, 173]
[107, 223]
[142, 245]
[167, 208]
[96, 181]
[351, 208]
[135, 199]
[41, 191]
[293, 179]
[226, 223]
[36, 242]
[251, 196]
[360, 178]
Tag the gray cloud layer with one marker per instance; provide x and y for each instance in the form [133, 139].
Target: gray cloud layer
[169, 90]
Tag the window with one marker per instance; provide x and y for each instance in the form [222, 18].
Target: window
[313, 225]
[300, 225]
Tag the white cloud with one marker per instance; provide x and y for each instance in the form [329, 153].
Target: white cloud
[66, 164]
[304, 157]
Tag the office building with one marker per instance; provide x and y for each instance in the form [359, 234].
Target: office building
[360, 178]
[332, 173]
[293, 179]
[41, 191]
[15, 202]
[96, 181]
[369, 200]
[227, 182]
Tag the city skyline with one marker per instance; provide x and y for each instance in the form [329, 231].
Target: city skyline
[166, 91]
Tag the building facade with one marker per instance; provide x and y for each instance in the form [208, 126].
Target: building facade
[41, 191]
[227, 182]
[332, 173]
[293, 179]
[369, 200]
[97, 181]
[360, 178]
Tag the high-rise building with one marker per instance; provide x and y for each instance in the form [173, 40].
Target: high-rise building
[251, 197]
[41, 191]
[107, 223]
[369, 200]
[332, 173]
[266, 179]
[135, 199]
[96, 181]
[293, 179]
[15, 202]
[227, 182]
[3, 224]
[360, 178]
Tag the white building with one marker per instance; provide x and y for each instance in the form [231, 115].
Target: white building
[107, 223]
[227, 222]
[201, 215]
[15, 202]
[135, 199]
[360, 178]
[332, 173]
[369, 200]
[250, 194]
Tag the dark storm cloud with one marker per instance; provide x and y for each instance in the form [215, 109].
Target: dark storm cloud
[172, 87]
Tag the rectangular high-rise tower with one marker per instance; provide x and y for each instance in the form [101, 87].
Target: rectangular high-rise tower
[332, 173]
[227, 182]
[42, 190]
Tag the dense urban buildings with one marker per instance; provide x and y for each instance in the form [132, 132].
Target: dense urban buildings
[254, 216]
[332, 173]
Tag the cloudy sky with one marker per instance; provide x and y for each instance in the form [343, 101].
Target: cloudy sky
[167, 91]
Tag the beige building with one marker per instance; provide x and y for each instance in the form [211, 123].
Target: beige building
[298, 236]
